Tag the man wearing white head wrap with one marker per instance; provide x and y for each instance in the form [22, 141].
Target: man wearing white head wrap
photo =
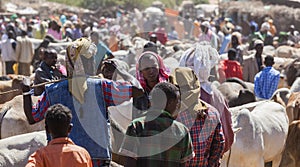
[202, 58]
[208, 35]
[264, 34]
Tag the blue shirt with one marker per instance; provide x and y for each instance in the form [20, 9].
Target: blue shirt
[102, 50]
[266, 82]
[225, 43]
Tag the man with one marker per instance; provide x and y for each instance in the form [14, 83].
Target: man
[88, 99]
[253, 63]
[266, 81]
[230, 68]
[202, 120]
[61, 150]
[8, 50]
[102, 49]
[156, 139]
[202, 58]
[46, 71]
[264, 34]
[208, 35]
[293, 34]
[24, 53]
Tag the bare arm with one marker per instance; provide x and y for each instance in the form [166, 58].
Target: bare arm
[27, 105]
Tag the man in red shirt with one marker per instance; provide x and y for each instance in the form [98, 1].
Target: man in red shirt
[230, 68]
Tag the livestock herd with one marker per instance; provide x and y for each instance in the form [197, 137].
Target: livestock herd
[265, 131]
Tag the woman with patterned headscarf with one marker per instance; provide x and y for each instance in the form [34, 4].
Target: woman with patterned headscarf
[202, 58]
[87, 97]
[150, 70]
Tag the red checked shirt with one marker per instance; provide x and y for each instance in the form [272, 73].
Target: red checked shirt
[207, 137]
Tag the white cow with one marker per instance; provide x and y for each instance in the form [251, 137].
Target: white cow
[13, 120]
[14, 151]
[264, 128]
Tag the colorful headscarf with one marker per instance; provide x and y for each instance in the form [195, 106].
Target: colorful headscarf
[81, 48]
[163, 73]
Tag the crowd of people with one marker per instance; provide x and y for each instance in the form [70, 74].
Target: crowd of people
[181, 104]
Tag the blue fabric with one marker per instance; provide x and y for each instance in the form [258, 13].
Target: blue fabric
[90, 122]
[225, 43]
[266, 82]
[102, 50]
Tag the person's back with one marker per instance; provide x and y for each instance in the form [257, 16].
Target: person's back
[8, 51]
[202, 120]
[61, 151]
[266, 81]
[24, 53]
[87, 98]
[157, 139]
[231, 67]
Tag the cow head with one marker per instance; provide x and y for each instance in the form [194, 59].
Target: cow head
[292, 71]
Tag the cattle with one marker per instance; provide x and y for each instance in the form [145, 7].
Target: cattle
[293, 107]
[14, 151]
[296, 85]
[260, 123]
[237, 92]
[13, 120]
[291, 153]
[292, 71]
[281, 96]
[10, 88]
[285, 51]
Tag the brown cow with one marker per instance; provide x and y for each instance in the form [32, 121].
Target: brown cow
[291, 153]
[293, 107]
[10, 88]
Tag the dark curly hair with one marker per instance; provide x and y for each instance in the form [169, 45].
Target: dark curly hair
[58, 119]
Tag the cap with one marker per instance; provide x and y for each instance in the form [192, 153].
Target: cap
[205, 24]
[258, 42]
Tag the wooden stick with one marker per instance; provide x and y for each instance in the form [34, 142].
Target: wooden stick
[10, 91]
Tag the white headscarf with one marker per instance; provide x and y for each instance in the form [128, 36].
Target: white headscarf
[201, 58]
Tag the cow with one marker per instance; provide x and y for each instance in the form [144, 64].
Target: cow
[260, 123]
[237, 92]
[10, 88]
[14, 151]
[291, 153]
[13, 120]
[292, 71]
[293, 107]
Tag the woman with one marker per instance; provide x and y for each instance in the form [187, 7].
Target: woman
[150, 71]
[54, 30]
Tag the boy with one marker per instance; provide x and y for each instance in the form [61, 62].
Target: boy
[60, 151]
